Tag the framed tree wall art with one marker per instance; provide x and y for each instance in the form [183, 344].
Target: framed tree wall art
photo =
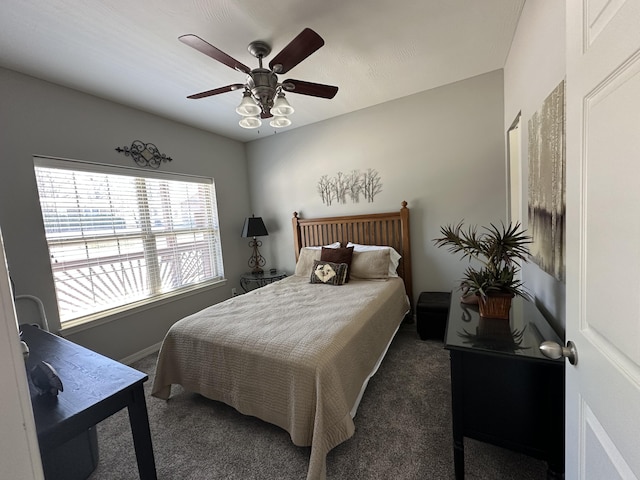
[547, 183]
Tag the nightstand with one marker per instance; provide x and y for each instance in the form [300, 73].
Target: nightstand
[250, 281]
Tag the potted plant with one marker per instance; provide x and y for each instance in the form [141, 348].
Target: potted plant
[498, 250]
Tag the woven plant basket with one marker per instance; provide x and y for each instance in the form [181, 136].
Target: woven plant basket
[496, 305]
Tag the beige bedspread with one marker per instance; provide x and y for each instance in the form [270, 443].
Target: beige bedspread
[292, 353]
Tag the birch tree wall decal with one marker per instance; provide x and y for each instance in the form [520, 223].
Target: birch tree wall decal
[355, 185]
[371, 184]
[340, 187]
[324, 189]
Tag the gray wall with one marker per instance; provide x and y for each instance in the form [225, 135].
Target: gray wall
[37, 117]
[441, 150]
[534, 67]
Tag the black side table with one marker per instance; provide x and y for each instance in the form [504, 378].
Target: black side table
[432, 311]
[504, 391]
[250, 281]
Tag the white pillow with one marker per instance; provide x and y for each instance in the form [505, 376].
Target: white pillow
[394, 256]
[333, 245]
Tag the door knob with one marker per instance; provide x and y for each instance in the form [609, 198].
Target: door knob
[555, 350]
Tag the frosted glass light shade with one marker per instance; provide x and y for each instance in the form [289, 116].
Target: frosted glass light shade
[280, 122]
[248, 106]
[250, 122]
[281, 107]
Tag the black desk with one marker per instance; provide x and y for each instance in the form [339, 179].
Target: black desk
[95, 387]
[503, 390]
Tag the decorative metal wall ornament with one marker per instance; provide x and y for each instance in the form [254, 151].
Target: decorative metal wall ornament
[144, 154]
[352, 185]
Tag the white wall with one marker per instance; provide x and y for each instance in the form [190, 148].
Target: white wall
[37, 117]
[534, 67]
[441, 150]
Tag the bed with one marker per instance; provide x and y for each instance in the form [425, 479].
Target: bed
[295, 353]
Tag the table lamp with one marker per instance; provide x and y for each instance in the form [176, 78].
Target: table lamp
[254, 227]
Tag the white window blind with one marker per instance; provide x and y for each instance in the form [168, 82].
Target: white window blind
[118, 236]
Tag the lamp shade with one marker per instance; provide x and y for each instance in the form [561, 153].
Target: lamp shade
[280, 122]
[250, 122]
[281, 107]
[254, 227]
[248, 106]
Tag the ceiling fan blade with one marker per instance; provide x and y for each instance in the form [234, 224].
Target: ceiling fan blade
[297, 50]
[211, 51]
[216, 91]
[309, 88]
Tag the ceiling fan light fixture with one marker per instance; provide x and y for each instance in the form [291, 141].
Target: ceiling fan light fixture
[250, 122]
[263, 96]
[280, 122]
[248, 106]
[281, 106]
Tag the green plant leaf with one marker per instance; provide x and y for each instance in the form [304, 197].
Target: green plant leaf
[498, 249]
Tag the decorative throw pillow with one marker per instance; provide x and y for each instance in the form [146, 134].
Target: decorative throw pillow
[338, 255]
[305, 261]
[328, 273]
[307, 256]
[370, 265]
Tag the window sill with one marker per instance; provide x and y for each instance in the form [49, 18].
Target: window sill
[90, 321]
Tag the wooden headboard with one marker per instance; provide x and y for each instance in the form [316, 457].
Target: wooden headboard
[390, 229]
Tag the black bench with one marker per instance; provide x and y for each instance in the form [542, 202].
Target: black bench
[432, 311]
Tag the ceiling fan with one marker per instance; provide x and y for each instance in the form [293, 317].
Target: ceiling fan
[263, 95]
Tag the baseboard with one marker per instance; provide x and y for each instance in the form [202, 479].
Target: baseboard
[141, 354]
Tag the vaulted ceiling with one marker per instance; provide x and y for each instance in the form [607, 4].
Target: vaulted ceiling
[375, 51]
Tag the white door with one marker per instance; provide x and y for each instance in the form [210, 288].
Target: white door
[19, 453]
[603, 239]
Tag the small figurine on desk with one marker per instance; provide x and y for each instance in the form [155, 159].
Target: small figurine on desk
[46, 379]
[25, 348]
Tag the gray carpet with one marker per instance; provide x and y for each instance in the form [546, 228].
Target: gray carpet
[403, 431]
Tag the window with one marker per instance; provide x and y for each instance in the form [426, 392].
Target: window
[118, 236]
